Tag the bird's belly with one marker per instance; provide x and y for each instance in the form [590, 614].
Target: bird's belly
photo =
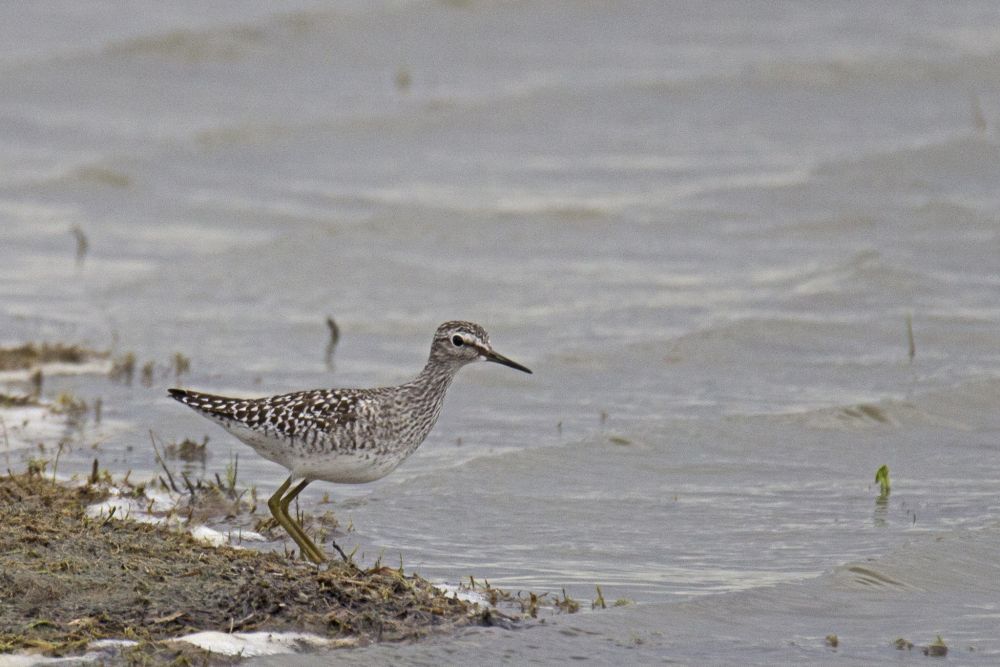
[344, 467]
[324, 460]
[265, 444]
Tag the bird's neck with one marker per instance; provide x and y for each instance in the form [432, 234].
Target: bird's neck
[434, 379]
[421, 401]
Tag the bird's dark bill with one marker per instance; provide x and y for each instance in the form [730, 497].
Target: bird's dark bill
[490, 355]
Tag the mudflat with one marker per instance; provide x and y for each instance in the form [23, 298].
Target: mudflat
[67, 579]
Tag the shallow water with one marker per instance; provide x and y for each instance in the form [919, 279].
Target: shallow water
[703, 228]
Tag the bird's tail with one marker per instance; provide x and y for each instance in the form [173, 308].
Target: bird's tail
[207, 403]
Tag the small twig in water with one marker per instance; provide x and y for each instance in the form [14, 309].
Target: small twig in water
[81, 243]
[147, 373]
[334, 339]
[182, 365]
[187, 482]
[37, 379]
[909, 336]
[236, 471]
[347, 559]
[55, 463]
[111, 515]
[163, 464]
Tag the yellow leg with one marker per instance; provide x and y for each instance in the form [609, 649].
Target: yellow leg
[285, 501]
[279, 510]
[317, 555]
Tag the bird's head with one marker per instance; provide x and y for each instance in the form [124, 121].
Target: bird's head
[460, 343]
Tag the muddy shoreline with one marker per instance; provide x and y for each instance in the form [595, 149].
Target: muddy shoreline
[68, 578]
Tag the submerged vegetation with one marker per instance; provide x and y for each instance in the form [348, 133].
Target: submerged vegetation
[882, 479]
[187, 451]
[17, 400]
[31, 355]
[123, 369]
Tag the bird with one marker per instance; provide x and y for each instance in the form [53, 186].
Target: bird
[346, 436]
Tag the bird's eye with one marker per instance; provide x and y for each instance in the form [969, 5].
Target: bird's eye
[457, 341]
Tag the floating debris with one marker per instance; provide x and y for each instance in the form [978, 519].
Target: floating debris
[567, 604]
[403, 79]
[832, 641]
[902, 644]
[527, 603]
[937, 649]
[103, 176]
[864, 412]
[70, 405]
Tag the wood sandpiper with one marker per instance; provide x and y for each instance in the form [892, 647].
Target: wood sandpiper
[349, 436]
